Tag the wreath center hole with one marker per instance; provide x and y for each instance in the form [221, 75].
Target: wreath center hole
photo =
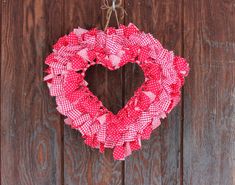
[114, 88]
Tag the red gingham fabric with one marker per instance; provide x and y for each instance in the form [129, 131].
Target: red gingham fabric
[164, 74]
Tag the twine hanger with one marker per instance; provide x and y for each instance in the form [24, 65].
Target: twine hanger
[111, 9]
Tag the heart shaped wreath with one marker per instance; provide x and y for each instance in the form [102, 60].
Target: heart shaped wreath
[164, 74]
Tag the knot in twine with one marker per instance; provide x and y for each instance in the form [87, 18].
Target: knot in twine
[113, 8]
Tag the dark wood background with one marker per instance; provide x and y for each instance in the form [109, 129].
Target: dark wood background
[195, 145]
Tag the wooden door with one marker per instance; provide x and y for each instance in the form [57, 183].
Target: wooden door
[195, 145]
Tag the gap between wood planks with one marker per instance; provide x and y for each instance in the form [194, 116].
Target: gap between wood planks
[182, 103]
[61, 117]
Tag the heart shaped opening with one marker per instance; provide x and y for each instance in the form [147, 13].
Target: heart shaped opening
[114, 88]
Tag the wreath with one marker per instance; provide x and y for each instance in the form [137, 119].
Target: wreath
[164, 75]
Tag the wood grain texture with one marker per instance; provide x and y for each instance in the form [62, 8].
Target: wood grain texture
[83, 165]
[209, 105]
[30, 129]
[195, 145]
[159, 160]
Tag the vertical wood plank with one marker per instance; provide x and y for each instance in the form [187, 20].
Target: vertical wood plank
[82, 164]
[159, 160]
[209, 107]
[30, 125]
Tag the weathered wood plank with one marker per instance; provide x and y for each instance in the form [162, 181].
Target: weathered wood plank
[30, 129]
[82, 164]
[209, 106]
[158, 161]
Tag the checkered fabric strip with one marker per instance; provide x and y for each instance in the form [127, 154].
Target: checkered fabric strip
[74, 114]
[56, 89]
[131, 134]
[144, 120]
[81, 119]
[50, 58]
[95, 127]
[85, 128]
[154, 109]
[145, 40]
[112, 46]
[102, 133]
[64, 105]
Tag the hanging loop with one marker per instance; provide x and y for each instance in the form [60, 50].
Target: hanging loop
[111, 9]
